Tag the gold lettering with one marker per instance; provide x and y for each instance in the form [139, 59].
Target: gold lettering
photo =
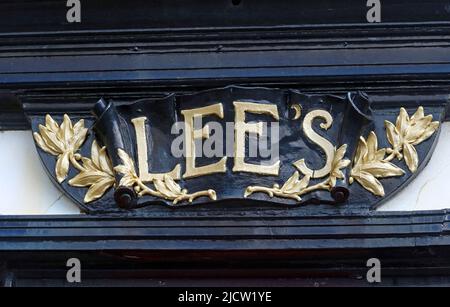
[323, 143]
[141, 139]
[241, 128]
[191, 134]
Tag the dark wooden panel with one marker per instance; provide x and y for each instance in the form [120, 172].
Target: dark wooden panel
[325, 250]
[37, 16]
[371, 230]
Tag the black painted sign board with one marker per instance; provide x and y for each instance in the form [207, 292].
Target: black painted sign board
[236, 145]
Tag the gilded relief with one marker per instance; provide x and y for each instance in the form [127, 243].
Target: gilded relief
[335, 166]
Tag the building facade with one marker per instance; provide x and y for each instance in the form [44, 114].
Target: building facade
[60, 57]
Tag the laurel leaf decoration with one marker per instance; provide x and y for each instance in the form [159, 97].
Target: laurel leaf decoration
[127, 169]
[165, 188]
[409, 132]
[338, 164]
[294, 187]
[97, 174]
[172, 185]
[369, 165]
[293, 184]
[62, 141]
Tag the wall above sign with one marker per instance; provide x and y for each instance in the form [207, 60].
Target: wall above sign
[236, 145]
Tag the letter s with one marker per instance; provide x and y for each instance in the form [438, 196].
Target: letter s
[322, 142]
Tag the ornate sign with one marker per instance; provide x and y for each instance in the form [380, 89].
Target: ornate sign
[235, 145]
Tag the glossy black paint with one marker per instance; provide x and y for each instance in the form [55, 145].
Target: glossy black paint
[352, 118]
[163, 114]
[247, 249]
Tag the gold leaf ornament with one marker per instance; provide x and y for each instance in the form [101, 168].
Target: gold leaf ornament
[369, 164]
[407, 133]
[338, 164]
[127, 169]
[294, 184]
[61, 141]
[294, 187]
[165, 188]
[96, 173]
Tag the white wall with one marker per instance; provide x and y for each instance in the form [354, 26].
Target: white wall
[26, 188]
[24, 184]
[429, 190]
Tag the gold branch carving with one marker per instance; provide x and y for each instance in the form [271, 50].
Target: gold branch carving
[166, 188]
[295, 187]
[61, 141]
[95, 173]
[407, 133]
[64, 141]
[370, 163]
